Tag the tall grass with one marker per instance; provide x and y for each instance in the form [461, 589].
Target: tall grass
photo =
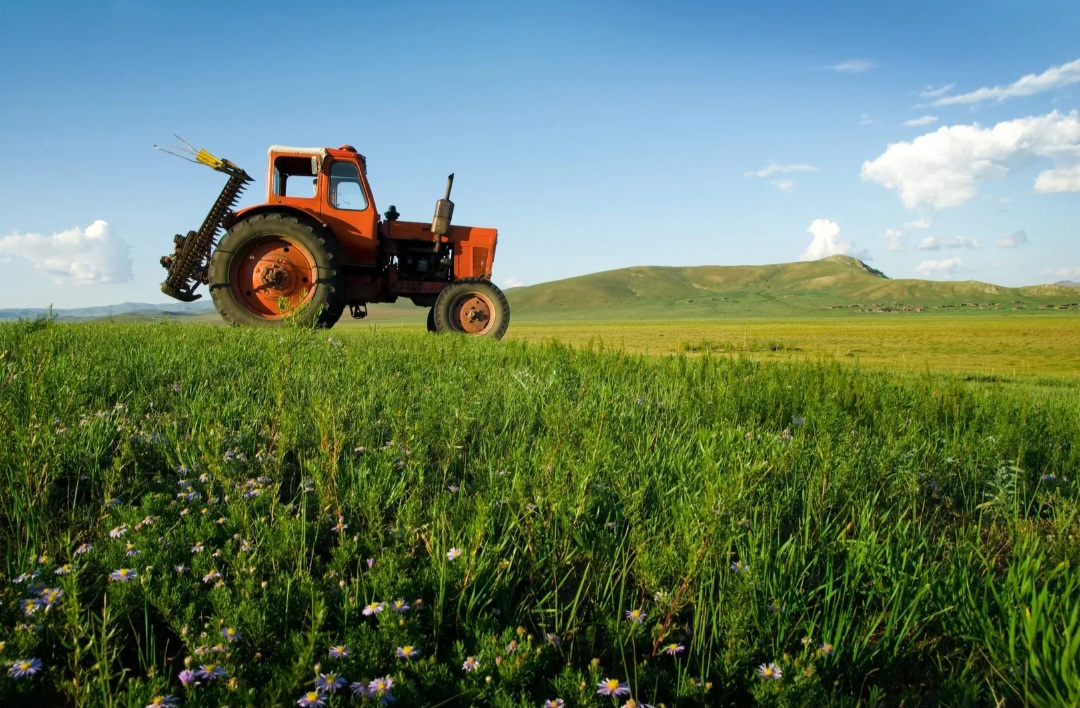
[881, 539]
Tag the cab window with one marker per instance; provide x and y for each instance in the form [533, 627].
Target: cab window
[345, 192]
[293, 178]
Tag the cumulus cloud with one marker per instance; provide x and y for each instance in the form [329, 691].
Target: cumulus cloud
[944, 269]
[854, 66]
[90, 256]
[932, 243]
[512, 283]
[1063, 273]
[1016, 238]
[941, 169]
[825, 242]
[1029, 85]
[897, 239]
[918, 122]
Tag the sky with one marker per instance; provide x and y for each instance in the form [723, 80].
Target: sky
[935, 140]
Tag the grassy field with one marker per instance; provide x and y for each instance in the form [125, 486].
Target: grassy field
[251, 517]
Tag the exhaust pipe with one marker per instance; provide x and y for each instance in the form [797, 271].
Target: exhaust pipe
[444, 211]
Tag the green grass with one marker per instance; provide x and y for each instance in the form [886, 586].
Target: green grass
[903, 538]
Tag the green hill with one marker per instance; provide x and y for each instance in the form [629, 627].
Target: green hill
[836, 283]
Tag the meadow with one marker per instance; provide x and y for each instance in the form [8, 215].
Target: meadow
[203, 516]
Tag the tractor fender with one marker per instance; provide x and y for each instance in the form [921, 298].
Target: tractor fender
[305, 217]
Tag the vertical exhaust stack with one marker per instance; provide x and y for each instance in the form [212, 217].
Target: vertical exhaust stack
[444, 212]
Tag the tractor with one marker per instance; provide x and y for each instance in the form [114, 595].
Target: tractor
[317, 245]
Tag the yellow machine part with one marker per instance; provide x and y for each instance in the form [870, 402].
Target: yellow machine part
[209, 160]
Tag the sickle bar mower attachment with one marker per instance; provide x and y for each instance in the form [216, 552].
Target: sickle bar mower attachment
[187, 266]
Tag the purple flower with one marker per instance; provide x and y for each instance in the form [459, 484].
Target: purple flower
[118, 531]
[211, 672]
[329, 682]
[471, 664]
[553, 639]
[612, 687]
[380, 686]
[637, 616]
[122, 575]
[374, 608]
[187, 677]
[673, 649]
[399, 606]
[180, 568]
[311, 699]
[770, 671]
[738, 567]
[453, 553]
[407, 652]
[132, 551]
[370, 563]
[162, 702]
[231, 634]
[341, 525]
[359, 689]
[826, 648]
[553, 703]
[211, 576]
[339, 651]
[21, 668]
[197, 548]
[85, 548]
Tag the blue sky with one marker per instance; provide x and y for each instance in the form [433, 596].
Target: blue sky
[933, 139]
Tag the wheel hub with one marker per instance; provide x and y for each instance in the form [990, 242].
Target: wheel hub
[273, 277]
[473, 313]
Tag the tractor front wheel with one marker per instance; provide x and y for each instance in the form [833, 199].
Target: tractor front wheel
[272, 268]
[472, 306]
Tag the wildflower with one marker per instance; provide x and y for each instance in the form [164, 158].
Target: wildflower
[673, 649]
[329, 682]
[637, 616]
[738, 567]
[554, 703]
[211, 672]
[180, 568]
[374, 608]
[553, 639]
[31, 606]
[162, 702]
[407, 652]
[1049, 478]
[471, 664]
[211, 576]
[84, 548]
[50, 596]
[453, 553]
[512, 647]
[631, 703]
[132, 551]
[187, 677]
[370, 563]
[341, 525]
[400, 606]
[798, 421]
[380, 687]
[770, 671]
[197, 548]
[339, 651]
[453, 488]
[118, 531]
[221, 521]
[21, 668]
[64, 569]
[612, 687]
[359, 689]
[122, 575]
[311, 699]
[246, 546]
[826, 648]
[231, 634]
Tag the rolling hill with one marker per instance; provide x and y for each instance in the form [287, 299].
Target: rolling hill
[836, 283]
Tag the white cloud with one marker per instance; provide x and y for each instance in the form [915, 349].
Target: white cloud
[941, 169]
[897, 239]
[923, 223]
[774, 169]
[1029, 85]
[89, 256]
[826, 241]
[918, 122]
[865, 119]
[1063, 273]
[1016, 238]
[512, 283]
[932, 243]
[945, 268]
[854, 66]
[784, 185]
[936, 92]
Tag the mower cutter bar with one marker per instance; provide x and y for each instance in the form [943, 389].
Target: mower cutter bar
[187, 266]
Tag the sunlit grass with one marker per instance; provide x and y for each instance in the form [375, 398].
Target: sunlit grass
[552, 518]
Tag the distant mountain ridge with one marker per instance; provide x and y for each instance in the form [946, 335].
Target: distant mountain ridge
[163, 309]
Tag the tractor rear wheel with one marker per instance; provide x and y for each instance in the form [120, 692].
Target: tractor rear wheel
[472, 306]
[272, 268]
[431, 320]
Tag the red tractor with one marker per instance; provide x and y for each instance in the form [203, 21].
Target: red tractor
[318, 245]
